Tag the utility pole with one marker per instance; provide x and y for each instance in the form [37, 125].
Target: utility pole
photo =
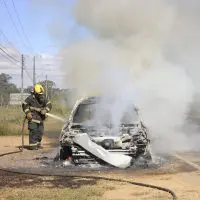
[46, 87]
[22, 78]
[34, 77]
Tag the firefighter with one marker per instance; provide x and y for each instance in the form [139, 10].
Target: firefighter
[35, 108]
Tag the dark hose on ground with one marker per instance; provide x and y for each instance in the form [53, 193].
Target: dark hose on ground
[174, 197]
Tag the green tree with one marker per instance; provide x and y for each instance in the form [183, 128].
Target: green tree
[50, 88]
[29, 89]
[6, 88]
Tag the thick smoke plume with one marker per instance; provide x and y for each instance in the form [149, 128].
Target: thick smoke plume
[144, 52]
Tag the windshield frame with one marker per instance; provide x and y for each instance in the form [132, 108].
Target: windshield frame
[96, 103]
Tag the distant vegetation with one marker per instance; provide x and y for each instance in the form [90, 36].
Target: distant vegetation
[6, 87]
[11, 116]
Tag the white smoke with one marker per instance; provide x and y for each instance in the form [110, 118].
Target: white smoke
[144, 52]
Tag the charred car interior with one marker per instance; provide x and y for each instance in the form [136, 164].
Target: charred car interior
[94, 134]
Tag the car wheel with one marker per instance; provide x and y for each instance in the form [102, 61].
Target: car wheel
[65, 152]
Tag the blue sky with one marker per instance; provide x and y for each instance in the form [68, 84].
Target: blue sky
[34, 26]
[40, 19]
[48, 25]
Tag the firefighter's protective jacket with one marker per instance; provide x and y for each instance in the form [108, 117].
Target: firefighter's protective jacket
[31, 104]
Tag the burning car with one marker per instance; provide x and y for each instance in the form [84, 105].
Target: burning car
[92, 135]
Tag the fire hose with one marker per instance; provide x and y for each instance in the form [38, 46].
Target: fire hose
[174, 197]
[24, 123]
[23, 127]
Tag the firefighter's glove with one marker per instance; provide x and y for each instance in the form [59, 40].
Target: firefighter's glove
[43, 111]
[29, 116]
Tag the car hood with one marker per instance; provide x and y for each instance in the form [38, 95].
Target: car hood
[103, 131]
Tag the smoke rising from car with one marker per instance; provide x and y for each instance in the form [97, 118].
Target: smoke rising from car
[143, 52]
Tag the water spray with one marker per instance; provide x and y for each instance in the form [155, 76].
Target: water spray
[56, 117]
[197, 167]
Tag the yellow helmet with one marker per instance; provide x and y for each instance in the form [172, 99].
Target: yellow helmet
[38, 89]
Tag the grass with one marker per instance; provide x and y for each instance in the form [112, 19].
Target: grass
[9, 129]
[11, 118]
[83, 192]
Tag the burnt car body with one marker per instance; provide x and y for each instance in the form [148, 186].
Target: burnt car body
[128, 137]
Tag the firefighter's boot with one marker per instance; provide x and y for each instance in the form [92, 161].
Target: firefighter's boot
[33, 146]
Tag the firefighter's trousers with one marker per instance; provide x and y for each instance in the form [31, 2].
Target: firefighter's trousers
[36, 131]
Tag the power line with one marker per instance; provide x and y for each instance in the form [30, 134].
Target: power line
[14, 48]
[7, 68]
[7, 39]
[7, 51]
[11, 61]
[28, 74]
[5, 48]
[19, 20]
[41, 69]
[24, 68]
[10, 16]
[14, 74]
[9, 55]
[58, 75]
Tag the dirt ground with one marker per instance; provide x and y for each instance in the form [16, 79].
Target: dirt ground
[179, 177]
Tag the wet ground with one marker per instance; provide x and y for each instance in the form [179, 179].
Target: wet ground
[42, 161]
[167, 171]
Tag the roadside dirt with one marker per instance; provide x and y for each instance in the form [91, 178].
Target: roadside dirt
[185, 185]
[8, 143]
[175, 175]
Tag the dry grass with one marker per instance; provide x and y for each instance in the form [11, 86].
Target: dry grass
[83, 193]
[11, 119]
[45, 190]
[9, 129]
[130, 192]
